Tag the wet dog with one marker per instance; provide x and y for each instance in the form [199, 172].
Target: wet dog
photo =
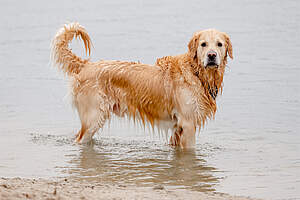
[177, 92]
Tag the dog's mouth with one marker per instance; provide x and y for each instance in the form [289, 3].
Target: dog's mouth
[212, 64]
[211, 59]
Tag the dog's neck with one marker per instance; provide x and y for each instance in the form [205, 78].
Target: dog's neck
[211, 78]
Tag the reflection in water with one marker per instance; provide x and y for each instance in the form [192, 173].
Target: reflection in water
[142, 164]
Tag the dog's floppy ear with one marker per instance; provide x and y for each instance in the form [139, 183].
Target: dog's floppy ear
[228, 46]
[193, 45]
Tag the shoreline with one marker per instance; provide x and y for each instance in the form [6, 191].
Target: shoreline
[25, 188]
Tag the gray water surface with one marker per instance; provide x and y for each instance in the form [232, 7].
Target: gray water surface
[252, 147]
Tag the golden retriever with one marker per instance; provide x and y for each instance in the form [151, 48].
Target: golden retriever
[178, 92]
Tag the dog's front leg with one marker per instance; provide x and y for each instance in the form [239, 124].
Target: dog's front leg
[188, 138]
[184, 134]
[175, 137]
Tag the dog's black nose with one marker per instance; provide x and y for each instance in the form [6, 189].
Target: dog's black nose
[211, 55]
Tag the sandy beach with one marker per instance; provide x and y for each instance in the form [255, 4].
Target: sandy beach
[20, 188]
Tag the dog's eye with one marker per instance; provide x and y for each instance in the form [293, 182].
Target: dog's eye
[220, 44]
[203, 44]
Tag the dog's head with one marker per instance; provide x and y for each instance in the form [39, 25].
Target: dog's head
[209, 48]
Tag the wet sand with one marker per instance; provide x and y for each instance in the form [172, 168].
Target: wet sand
[20, 188]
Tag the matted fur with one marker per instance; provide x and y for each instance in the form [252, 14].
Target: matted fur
[178, 91]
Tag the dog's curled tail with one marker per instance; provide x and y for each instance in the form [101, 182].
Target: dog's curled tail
[62, 56]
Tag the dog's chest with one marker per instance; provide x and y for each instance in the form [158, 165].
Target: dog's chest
[187, 100]
[191, 103]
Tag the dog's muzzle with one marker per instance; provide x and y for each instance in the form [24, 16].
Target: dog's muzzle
[211, 59]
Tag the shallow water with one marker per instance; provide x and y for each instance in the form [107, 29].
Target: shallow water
[251, 148]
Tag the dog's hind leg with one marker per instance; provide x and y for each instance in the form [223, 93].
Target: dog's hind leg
[93, 115]
[86, 133]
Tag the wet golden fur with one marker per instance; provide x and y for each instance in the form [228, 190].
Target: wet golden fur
[175, 92]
